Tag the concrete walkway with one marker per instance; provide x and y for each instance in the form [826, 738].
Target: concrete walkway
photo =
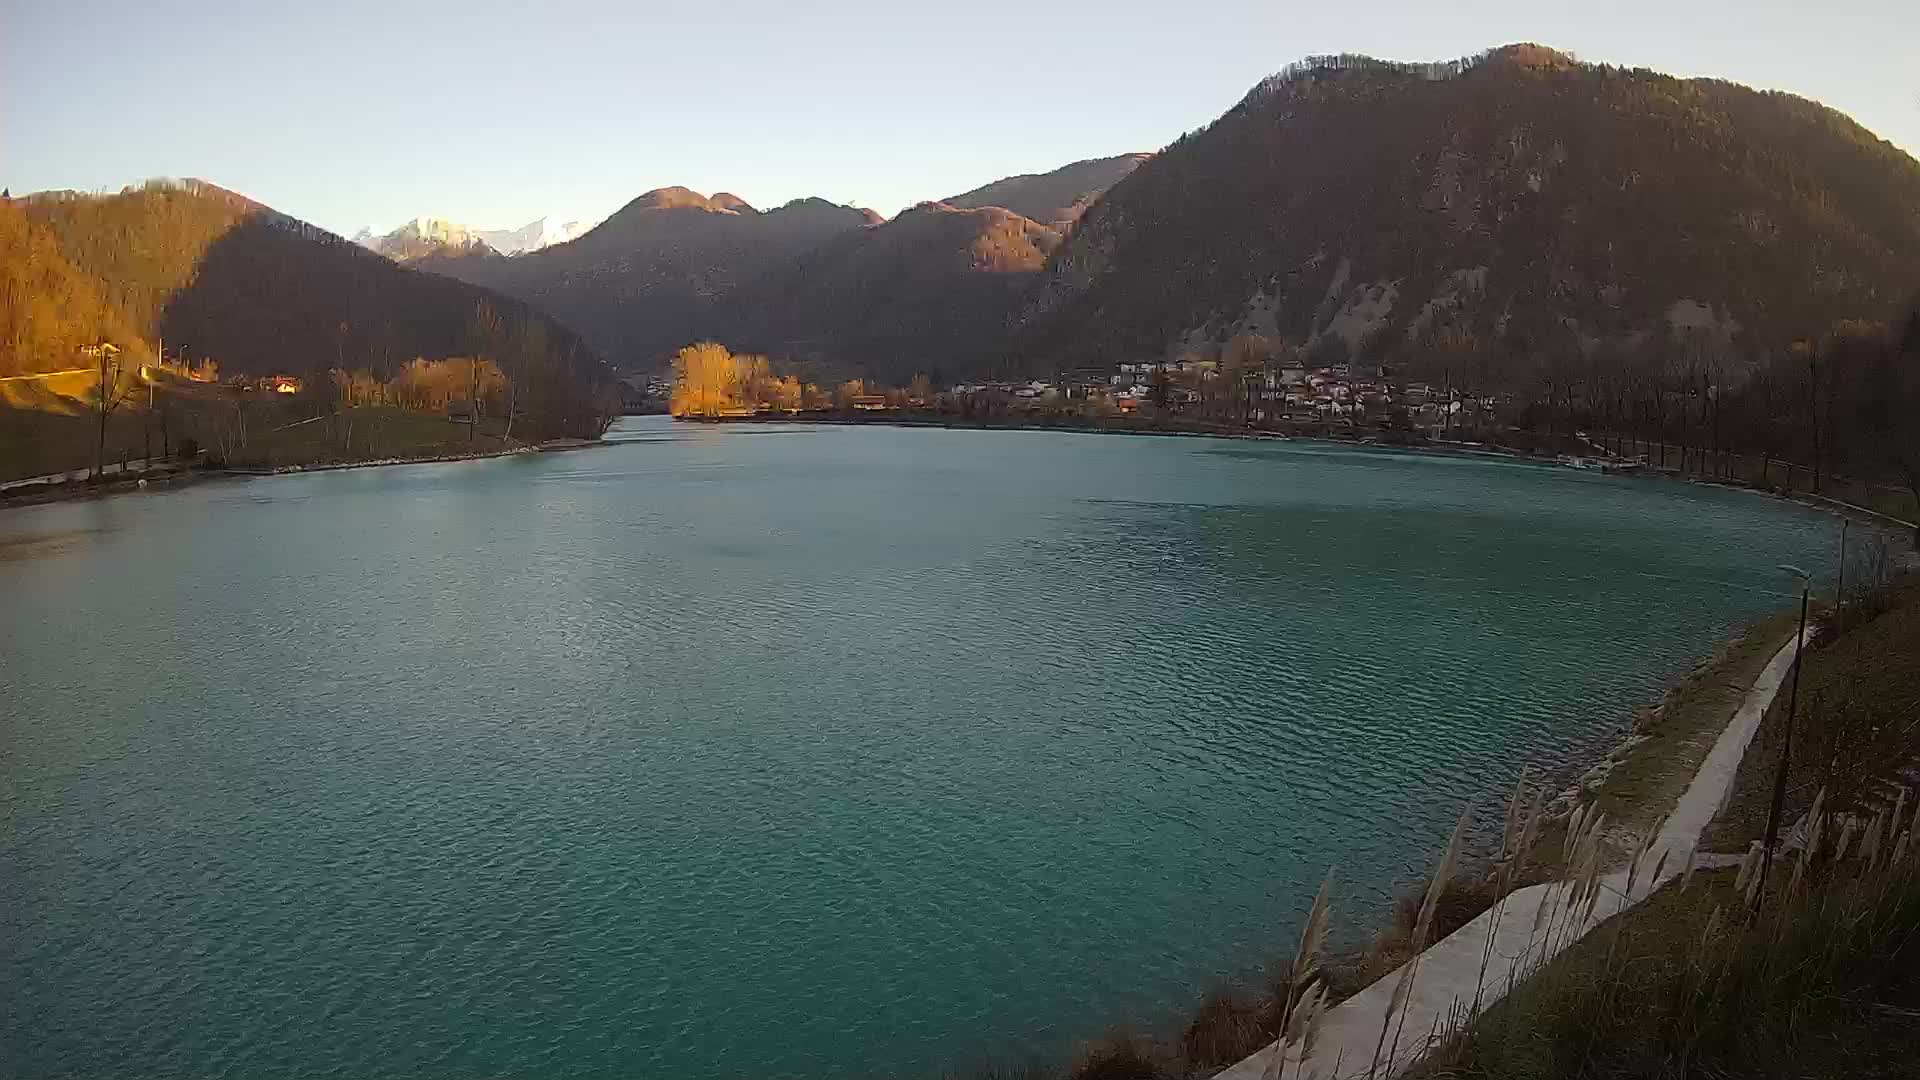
[112, 468]
[35, 376]
[1450, 972]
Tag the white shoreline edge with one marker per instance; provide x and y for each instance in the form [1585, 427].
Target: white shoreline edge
[1450, 970]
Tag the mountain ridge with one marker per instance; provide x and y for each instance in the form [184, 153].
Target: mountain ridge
[663, 269]
[1508, 203]
[929, 292]
[646, 280]
[1493, 207]
[1055, 198]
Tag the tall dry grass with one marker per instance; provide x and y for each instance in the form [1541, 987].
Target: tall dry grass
[1771, 971]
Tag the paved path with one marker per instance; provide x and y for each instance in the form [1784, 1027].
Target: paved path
[112, 468]
[45, 374]
[1450, 971]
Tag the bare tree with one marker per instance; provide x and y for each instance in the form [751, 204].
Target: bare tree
[530, 347]
[1813, 409]
[487, 327]
[107, 397]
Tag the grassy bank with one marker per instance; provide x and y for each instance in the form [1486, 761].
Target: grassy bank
[167, 475]
[1667, 744]
[1824, 981]
[369, 434]
[1813, 970]
[174, 418]
[1856, 729]
[1637, 785]
[1668, 741]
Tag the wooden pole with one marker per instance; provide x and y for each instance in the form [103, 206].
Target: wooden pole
[1786, 759]
[1840, 578]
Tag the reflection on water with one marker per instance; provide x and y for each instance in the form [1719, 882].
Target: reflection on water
[39, 546]
[849, 753]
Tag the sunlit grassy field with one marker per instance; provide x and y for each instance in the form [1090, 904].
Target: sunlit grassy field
[53, 433]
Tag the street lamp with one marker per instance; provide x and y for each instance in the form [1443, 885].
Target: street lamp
[105, 353]
[1786, 742]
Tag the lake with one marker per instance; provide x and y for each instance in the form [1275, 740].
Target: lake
[785, 751]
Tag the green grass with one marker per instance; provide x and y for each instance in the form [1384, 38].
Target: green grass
[1822, 983]
[1645, 786]
[1596, 1012]
[36, 442]
[369, 433]
[1857, 727]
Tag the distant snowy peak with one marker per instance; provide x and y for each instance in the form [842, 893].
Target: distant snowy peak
[429, 235]
[532, 236]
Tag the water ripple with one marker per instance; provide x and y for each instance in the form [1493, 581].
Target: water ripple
[854, 754]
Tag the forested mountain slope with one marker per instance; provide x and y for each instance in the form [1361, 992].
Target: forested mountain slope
[931, 291]
[1057, 198]
[830, 282]
[212, 275]
[1515, 204]
[645, 281]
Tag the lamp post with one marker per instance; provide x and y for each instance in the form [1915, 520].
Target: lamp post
[104, 353]
[1786, 742]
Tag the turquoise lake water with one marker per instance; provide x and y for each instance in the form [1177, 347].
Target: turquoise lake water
[785, 752]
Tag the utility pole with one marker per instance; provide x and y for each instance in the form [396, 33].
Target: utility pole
[1840, 579]
[146, 424]
[1786, 747]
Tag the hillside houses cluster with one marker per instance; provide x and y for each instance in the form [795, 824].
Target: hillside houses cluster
[1281, 390]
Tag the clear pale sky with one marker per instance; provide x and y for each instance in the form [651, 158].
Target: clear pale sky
[349, 113]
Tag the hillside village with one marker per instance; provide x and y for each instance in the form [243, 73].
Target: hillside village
[1281, 392]
[1278, 390]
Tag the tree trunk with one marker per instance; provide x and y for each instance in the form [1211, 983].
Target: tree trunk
[103, 394]
[1813, 415]
[1685, 410]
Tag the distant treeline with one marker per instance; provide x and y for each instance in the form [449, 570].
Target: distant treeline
[708, 380]
[1847, 404]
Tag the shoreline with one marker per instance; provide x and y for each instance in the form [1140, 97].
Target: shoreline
[1480, 961]
[1637, 746]
[1837, 507]
[1633, 745]
[372, 463]
[1640, 776]
[1689, 748]
[1808, 500]
[1328, 436]
[77, 490]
